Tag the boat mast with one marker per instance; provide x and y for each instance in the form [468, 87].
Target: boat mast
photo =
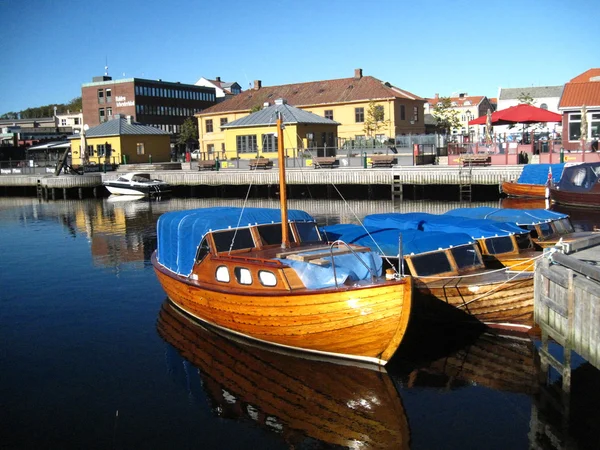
[285, 238]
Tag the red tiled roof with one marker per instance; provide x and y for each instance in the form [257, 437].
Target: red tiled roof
[585, 76]
[314, 93]
[579, 94]
[475, 100]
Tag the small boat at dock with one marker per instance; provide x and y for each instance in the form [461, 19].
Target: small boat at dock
[137, 183]
[579, 186]
[533, 181]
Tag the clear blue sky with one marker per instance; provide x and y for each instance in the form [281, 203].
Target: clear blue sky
[50, 47]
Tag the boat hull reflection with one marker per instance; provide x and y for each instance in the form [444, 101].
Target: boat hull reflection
[296, 398]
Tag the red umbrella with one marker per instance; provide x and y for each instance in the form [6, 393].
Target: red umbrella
[522, 113]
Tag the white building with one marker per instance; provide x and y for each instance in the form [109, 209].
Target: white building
[69, 119]
[223, 89]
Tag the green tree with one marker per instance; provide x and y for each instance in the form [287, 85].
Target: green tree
[10, 115]
[374, 119]
[189, 131]
[445, 115]
[525, 98]
[255, 108]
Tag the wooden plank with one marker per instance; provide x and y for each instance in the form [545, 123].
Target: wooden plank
[583, 243]
[554, 306]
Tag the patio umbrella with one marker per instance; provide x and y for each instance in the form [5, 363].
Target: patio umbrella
[583, 126]
[522, 113]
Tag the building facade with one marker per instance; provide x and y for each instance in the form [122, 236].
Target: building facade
[346, 101]
[121, 141]
[223, 89]
[469, 107]
[580, 108]
[157, 103]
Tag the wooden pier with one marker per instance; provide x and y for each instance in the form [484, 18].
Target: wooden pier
[396, 178]
[567, 302]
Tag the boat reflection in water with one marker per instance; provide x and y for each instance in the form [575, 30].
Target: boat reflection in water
[301, 400]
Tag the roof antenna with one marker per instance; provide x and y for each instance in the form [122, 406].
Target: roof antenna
[106, 67]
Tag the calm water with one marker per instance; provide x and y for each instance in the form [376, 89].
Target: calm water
[93, 357]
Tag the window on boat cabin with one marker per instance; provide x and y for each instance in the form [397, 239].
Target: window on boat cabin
[524, 241]
[203, 250]
[270, 234]
[233, 240]
[533, 232]
[466, 256]
[565, 224]
[209, 125]
[499, 245]
[308, 232]
[139, 148]
[269, 142]
[222, 274]
[242, 275]
[246, 144]
[359, 115]
[430, 264]
[267, 278]
[546, 229]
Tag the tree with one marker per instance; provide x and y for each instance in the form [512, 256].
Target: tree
[189, 131]
[255, 108]
[445, 115]
[374, 119]
[525, 98]
[10, 115]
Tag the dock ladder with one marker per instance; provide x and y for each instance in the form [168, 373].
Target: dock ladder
[397, 187]
[465, 182]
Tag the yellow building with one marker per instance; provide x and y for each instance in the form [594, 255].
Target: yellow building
[345, 101]
[120, 141]
[255, 135]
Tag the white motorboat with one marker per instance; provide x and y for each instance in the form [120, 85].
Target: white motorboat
[136, 183]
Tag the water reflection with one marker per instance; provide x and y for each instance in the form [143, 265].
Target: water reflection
[298, 399]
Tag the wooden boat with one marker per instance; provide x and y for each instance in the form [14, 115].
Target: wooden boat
[267, 275]
[294, 398]
[449, 267]
[515, 189]
[579, 186]
[136, 183]
[502, 244]
[547, 228]
[533, 181]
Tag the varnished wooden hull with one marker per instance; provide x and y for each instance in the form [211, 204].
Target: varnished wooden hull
[513, 189]
[495, 298]
[363, 323]
[294, 398]
[589, 199]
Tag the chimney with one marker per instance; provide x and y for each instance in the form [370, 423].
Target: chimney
[218, 79]
[266, 105]
[129, 120]
[281, 101]
[257, 85]
[357, 74]
[437, 96]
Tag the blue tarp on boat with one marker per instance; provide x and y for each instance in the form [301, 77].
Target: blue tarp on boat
[476, 228]
[385, 241]
[538, 173]
[516, 216]
[179, 233]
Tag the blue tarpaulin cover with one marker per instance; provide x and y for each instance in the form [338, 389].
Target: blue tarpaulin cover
[179, 233]
[516, 216]
[385, 241]
[538, 173]
[476, 228]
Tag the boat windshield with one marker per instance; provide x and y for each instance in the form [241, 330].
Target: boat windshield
[499, 245]
[140, 179]
[429, 264]
[238, 239]
[123, 179]
[564, 226]
[546, 229]
[466, 256]
[271, 234]
[524, 241]
[308, 232]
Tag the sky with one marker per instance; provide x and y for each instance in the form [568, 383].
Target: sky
[51, 47]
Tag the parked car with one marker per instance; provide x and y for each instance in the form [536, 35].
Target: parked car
[195, 154]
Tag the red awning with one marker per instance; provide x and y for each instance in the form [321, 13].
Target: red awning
[522, 113]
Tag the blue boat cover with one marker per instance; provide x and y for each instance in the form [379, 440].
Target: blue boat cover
[179, 233]
[579, 177]
[476, 228]
[538, 173]
[385, 241]
[516, 216]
